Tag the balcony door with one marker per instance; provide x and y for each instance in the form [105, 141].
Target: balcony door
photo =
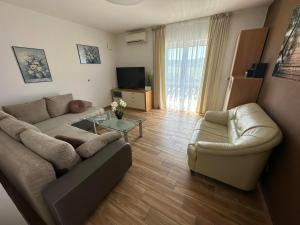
[186, 44]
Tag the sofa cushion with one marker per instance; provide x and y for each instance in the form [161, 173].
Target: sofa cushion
[31, 112]
[58, 105]
[68, 118]
[14, 127]
[27, 172]
[246, 109]
[253, 120]
[202, 135]
[212, 128]
[75, 142]
[4, 115]
[72, 132]
[61, 154]
[79, 106]
[91, 147]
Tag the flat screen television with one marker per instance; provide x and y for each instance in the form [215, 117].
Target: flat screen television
[131, 77]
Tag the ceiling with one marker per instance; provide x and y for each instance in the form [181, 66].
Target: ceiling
[117, 19]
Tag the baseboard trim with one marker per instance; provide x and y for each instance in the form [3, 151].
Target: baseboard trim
[265, 206]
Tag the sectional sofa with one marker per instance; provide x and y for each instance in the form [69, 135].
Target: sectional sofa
[27, 132]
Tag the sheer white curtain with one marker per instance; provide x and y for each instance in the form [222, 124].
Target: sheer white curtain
[185, 50]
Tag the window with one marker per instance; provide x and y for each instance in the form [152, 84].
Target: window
[186, 45]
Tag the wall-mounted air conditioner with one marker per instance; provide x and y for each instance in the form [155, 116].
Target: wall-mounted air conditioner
[136, 37]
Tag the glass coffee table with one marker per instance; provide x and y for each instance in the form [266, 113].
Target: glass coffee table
[108, 120]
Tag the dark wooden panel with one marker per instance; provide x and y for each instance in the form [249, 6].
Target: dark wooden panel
[281, 99]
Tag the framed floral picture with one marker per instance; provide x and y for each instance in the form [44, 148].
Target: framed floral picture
[88, 54]
[33, 64]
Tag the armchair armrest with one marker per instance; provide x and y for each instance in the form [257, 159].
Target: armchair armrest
[229, 149]
[219, 117]
[215, 148]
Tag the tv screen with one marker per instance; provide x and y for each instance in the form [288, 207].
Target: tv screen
[131, 77]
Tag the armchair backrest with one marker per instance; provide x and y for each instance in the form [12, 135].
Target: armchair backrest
[252, 124]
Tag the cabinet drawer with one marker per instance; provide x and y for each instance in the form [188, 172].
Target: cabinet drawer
[138, 101]
[134, 99]
[126, 96]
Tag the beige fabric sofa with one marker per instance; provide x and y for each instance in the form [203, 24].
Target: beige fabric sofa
[233, 146]
[56, 198]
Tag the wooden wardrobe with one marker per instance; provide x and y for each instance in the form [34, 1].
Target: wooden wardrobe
[249, 48]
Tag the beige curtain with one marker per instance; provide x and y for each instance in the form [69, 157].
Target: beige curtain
[217, 40]
[159, 93]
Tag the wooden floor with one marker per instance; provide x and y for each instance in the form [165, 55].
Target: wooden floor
[159, 189]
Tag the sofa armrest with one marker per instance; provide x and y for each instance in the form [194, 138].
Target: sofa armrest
[28, 173]
[214, 147]
[73, 197]
[219, 117]
[229, 149]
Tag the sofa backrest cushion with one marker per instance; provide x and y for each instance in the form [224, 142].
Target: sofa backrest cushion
[61, 154]
[251, 120]
[4, 115]
[31, 112]
[58, 105]
[14, 127]
[91, 147]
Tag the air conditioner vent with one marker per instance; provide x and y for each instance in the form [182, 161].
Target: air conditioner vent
[136, 37]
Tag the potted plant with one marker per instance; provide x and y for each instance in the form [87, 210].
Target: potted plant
[149, 81]
[118, 107]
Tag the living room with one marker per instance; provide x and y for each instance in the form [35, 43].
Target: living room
[149, 112]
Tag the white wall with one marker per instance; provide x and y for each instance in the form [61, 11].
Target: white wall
[135, 54]
[142, 54]
[22, 27]
[25, 28]
[240, 20]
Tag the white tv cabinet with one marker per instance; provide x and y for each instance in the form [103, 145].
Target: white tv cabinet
[135, 98]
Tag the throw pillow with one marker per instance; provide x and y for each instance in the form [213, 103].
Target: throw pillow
[79, 106]
[4, 115]
[30, 112]
[58, 105]
[91, 147]
[88, 104]
[61, 154]
[14, 127]
[220, 117]
[72, 141]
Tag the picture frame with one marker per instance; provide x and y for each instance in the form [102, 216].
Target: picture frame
[88, 54]
[288, 62]
[33, 64]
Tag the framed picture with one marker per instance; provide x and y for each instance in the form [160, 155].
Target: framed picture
[88, 54]
[288, 61]
[33, 64]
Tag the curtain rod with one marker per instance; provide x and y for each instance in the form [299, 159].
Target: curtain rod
[156, 27]
[181, 21]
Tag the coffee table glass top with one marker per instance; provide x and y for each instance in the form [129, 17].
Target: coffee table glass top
[120, 125]
[109, 120]
[98, 118]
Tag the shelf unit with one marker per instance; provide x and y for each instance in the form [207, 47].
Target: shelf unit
[241, 89]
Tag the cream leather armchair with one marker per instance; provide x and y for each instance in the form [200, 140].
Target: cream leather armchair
[233, 146]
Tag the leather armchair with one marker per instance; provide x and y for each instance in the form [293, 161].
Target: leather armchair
[233, 146]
